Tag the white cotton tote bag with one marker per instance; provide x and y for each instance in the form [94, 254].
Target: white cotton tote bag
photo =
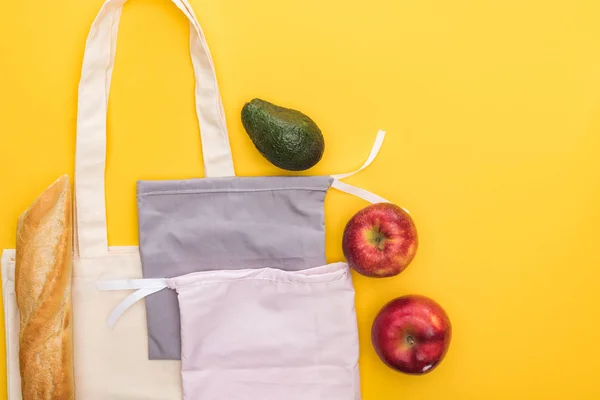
[113, 364]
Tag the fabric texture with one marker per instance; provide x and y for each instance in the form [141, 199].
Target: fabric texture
[261, 333]
[113, 364]
[11, 325]
[269, 335]
[222, 224]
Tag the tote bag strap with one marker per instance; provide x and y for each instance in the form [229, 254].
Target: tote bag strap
[94, 86]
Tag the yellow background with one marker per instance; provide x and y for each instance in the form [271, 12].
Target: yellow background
[493, 116]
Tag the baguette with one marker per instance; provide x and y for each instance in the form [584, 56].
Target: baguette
[43, 293]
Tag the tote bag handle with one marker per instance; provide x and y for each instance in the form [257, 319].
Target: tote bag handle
[94, 86]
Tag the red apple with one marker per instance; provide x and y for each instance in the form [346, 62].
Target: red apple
[411, 334]
[380, 240]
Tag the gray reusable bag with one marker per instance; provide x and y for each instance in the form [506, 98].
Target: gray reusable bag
[224, 223]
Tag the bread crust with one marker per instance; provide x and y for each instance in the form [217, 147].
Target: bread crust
[43, 292]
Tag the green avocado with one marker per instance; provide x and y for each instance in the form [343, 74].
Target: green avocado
[287, 138]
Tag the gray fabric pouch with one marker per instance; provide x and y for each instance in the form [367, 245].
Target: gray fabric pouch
[206, 224]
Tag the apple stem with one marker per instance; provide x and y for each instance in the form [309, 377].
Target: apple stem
[410, 340]
[379, 242]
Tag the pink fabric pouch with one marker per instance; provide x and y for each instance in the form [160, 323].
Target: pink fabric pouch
[262, 333]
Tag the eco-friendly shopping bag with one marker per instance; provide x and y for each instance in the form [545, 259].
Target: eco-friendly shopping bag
[224, 223]
[263, 333]
[113, 364]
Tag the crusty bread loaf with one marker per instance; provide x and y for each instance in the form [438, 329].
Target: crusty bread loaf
[43, 292]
